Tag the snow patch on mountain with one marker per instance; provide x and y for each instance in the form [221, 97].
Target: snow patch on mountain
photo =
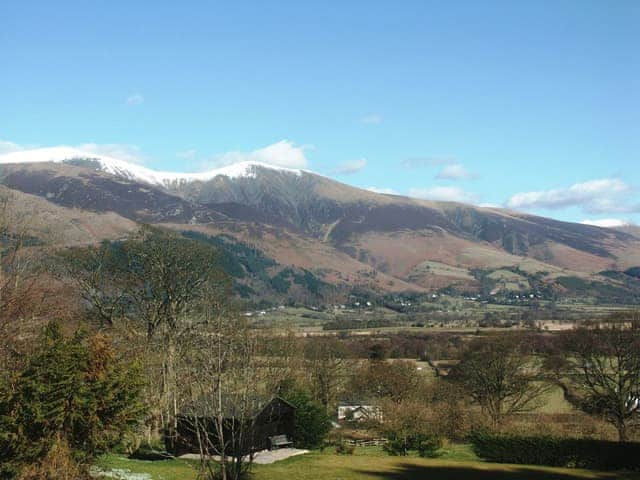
[135, 172]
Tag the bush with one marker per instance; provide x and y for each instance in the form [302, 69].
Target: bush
[450, 416]
[58, 464]
[344, 449]
[425, 445]
[151, 453]
[409, 426]
[312, 424]
[428, 446]
[557, 452]
[397, 446]
[73, 400]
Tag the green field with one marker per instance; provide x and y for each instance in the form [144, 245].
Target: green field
[446, 314]
[369, 464]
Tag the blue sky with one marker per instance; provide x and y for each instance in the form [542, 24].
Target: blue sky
[532, 105]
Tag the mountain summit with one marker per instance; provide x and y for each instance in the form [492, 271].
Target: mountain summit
[132, 171]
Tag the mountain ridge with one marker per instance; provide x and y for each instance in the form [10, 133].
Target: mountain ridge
[132, 171]
[308, 221]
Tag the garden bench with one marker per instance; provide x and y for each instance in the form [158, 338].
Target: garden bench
[278, 441]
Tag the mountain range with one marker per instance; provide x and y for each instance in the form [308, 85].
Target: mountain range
[305, 222]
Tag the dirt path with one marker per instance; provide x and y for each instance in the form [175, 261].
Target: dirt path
[262, 457]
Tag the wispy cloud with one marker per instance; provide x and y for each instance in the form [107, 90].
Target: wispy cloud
[419, 162]
[595, 196]
[135, 99]
[455, 171]
[9, 147]
[372, 119]
[386, 191]
[447, 194]
[283, 153]
[128, 153]
[351, 166]
[607, 222]
[612, 205]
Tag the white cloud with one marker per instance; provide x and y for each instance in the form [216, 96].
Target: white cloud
[611, 205]
[283, 154]
[606, 222]
[490, 205]
[386, 191]
[418, 162]
[351, 166]
[128, 153]
[594, 196]
[9, 147]
[455, 171]
[372, 119]
[135, 99]
[447, 194]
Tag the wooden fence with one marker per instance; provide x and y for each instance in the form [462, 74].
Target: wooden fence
[376, 442]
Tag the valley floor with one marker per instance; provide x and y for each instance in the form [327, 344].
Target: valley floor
[366, 464]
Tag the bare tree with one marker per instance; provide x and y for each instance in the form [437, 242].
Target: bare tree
[601, 373]
[409, 425]
[281, 358]
[17, 295]
[13, 267]
[326, 366]
[100, 273]
[500, 377]
[225, 390]
[157, 283]
[393, 380]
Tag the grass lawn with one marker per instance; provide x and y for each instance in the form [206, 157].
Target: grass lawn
[554, 402]
[369, 464]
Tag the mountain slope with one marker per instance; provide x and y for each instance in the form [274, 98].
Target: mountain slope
[345, 234]
[57, 225]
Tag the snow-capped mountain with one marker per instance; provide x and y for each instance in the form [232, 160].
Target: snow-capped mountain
[316, 223]
[131, 171]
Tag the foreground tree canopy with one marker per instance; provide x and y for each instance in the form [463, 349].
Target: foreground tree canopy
[601, 373]
[159, 285]
[500, 376]
[74, 395]
[157, 279]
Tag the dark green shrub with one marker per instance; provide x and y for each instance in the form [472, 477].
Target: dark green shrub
[428, 446]
[150, 452]
[343, 449]
[425, 445]
[516, 449]
[397, 446]
[557, 452]
[73, 400]
[312, 424]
